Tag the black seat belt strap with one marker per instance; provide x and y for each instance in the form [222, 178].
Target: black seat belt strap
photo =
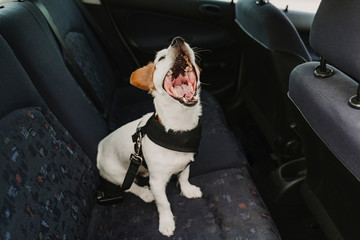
[74, 67]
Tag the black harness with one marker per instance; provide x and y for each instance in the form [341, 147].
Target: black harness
[181, 141]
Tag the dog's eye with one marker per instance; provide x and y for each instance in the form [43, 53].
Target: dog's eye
[161, 58]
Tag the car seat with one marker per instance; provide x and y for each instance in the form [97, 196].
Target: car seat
[327, 114]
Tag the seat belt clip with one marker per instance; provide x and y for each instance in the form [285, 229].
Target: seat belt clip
[135, 160]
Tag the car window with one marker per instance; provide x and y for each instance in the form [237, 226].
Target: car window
[297, 5]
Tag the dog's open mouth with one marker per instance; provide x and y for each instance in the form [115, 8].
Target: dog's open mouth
[180, 81]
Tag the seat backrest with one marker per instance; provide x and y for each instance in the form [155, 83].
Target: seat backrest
[272, 48]
[37, 50]
[328, 124]
[270, 27]
[46, 177]
[86, 49]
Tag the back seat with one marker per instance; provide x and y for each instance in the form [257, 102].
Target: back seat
[48, 183]
[52, 181]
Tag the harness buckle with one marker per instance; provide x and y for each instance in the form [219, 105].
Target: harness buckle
[136, 160]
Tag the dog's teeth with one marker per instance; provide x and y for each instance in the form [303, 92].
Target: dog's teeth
[169, 73]
[175, 91]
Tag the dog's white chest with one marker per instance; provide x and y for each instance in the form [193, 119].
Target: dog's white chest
[164, 161]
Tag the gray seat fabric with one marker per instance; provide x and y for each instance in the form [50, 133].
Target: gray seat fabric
[324, 104]
[334, 35]
[230, 209]
[328, 124]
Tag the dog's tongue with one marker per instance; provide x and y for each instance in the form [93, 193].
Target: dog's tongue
[184, 90]
[181, 87]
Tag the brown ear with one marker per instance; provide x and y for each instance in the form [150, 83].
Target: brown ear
[143, 77]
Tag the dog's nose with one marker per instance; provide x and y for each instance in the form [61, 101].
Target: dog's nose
[177, 41]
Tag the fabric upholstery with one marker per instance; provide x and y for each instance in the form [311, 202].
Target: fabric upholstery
[334, 35]
[87, 61]
[37, 51]
[324, 104]
[48, 182]
[84, 46]
[270, 27]
[230, 209]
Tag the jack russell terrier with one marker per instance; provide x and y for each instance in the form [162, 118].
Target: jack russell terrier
[173, 79]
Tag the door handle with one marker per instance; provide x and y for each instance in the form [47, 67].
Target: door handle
[211, 10]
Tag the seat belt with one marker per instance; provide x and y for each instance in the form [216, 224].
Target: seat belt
[111, 46]
[73, 66]
[118, 33]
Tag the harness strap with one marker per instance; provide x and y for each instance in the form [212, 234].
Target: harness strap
[181, 141]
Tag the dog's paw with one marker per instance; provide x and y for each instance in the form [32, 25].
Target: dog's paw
[146, 195]
[167, 226]
[191, 191]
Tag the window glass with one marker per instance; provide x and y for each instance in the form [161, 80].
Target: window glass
[297, 5]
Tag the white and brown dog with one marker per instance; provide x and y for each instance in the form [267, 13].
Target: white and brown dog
[173, 79]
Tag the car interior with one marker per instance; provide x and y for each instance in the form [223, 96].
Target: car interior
[280, 106]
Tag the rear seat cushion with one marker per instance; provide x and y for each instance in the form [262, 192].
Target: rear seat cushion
[229, 209]
[47, 182]
[48, 185]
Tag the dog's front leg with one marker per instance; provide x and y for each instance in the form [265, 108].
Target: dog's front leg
[188, 190]
[166, 218]
[142, 192]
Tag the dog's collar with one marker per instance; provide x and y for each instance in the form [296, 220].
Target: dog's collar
[181, 141]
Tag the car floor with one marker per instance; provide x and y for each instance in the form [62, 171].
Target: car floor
[294, 221]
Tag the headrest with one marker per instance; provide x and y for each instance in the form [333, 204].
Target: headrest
[335, 35]
[270, 27]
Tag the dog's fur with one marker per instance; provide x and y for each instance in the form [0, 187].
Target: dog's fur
[176, 114]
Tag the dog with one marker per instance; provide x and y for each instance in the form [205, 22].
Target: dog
[173, 79]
